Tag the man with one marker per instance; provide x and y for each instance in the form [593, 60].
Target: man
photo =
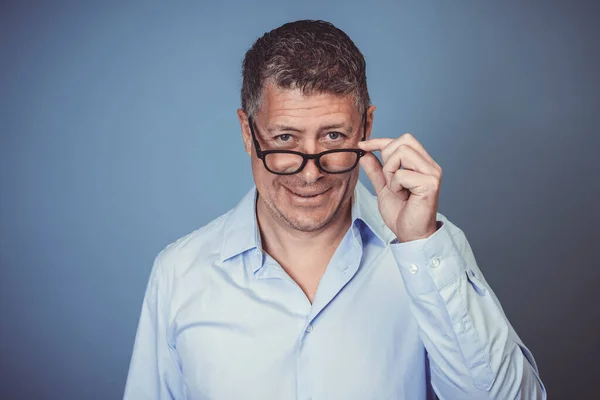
[312, 287]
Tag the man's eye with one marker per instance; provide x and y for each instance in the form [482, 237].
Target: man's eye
[334, 135]
[284, 138]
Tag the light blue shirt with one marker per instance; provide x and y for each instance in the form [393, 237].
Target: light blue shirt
[222, 320]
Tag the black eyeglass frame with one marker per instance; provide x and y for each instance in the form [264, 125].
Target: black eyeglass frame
[305, 157]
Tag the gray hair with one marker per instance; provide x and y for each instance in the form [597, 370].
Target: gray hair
[313, 56]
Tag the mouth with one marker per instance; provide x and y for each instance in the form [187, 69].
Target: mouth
[306, 196]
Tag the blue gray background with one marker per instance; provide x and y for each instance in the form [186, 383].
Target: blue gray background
[119, 135]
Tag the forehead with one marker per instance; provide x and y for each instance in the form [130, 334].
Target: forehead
[279, 103]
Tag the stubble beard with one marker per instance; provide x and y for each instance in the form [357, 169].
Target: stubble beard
[311, 226]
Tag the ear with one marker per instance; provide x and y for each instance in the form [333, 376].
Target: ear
[370, 118]
[245, 128]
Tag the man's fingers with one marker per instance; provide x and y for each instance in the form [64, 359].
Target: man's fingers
[388, 146]
[407, 157]
[418, 184]
[414, 143]
[374, 171]
[404, 151]
[405, 179]
[374, 144]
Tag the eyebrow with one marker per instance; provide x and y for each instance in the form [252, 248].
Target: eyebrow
[279, 127]
[287, 128]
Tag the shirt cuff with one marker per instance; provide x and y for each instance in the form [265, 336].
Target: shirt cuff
[429, 264]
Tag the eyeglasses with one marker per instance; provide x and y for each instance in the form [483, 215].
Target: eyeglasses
[289, 162]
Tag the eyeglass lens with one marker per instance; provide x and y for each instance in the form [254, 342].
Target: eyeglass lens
[287, 163]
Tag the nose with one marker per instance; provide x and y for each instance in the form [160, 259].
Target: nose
[311, 172]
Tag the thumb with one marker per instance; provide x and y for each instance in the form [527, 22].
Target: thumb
[374, 171]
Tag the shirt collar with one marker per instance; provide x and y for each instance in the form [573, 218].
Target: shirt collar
[241, 228]
[366, 209]
[241, 231]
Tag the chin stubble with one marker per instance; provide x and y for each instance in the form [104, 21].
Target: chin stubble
[306, 228]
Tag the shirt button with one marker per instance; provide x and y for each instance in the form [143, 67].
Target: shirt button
[435, 262]
[309, 329]
[413, 268]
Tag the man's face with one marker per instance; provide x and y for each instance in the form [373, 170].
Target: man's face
[311, 199]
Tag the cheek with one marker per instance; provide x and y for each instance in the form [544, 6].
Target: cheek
[354, 177]
[346, 186]
[347, 181]
[264, 180]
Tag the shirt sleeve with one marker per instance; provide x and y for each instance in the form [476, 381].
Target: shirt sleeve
[154, 370]
[473, 350]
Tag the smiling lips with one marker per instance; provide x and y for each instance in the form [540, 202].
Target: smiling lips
[307, 195]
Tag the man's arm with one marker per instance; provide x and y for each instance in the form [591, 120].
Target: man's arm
[473, 350]
[153, 372]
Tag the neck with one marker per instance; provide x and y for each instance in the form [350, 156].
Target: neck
[282, 242]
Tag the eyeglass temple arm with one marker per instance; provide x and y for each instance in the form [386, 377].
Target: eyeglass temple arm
[365, 127]
[256, 145]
